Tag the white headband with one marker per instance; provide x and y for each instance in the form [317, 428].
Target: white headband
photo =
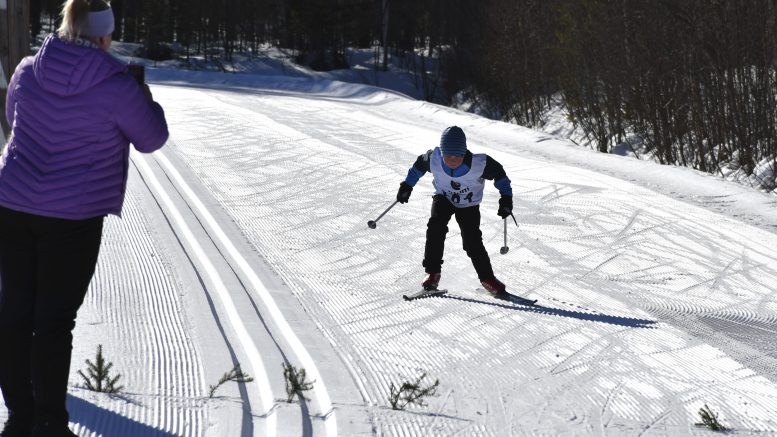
[100, 23]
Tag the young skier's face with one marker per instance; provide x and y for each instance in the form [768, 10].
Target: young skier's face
[453, 162]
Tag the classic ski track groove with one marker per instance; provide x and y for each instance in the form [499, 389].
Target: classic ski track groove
[325, 254]
[319, 391]
[165, 371]
[209, 271]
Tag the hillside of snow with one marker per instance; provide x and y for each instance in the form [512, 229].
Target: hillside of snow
[245, 241]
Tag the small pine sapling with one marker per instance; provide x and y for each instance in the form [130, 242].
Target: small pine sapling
[411, 393]
[234, 375]
[709, 419]
[296, 382]
[98, 378]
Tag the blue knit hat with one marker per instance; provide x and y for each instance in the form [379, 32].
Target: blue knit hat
[453, 142]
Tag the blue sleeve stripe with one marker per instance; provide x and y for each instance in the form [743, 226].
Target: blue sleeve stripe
[413, 175]
[504, 187]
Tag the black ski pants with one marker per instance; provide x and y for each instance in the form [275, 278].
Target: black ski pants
[46, 265]
[472, 239]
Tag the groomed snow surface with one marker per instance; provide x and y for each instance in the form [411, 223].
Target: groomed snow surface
[245, 241]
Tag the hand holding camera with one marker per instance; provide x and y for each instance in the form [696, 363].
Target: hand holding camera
[138, 71]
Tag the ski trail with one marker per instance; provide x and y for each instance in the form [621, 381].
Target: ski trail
[291, 171]
[250, 349]
[628, 226]
[327, 412]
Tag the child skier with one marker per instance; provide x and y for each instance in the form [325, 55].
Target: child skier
[459, 181]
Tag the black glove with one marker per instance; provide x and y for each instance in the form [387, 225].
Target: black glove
[505, 207]
[403, 195]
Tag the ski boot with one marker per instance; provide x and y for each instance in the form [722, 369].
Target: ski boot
[493, 286]
[431, 281]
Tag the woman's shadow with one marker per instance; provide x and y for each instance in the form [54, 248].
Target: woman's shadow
[100, 421]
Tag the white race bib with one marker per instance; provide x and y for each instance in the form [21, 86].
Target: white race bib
[463, 191]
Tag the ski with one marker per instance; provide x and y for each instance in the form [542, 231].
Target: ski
[423, 293]
[509, 297]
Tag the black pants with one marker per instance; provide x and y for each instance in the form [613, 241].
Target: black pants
[471, 237]
[45, 268]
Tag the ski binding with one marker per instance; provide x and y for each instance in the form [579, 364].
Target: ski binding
[509, 297]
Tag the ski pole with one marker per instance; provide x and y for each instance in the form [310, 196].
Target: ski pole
[372, 224]
[504, 248]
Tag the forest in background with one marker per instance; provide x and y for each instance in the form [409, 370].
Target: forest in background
[687, 82]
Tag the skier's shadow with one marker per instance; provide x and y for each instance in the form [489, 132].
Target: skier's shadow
[539, 309]
[100, 421]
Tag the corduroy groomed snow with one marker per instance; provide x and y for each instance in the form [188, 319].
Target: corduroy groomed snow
[453, 142]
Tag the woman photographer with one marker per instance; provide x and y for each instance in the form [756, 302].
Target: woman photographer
[74, 110]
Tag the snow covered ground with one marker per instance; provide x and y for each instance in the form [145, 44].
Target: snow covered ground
[245, 241]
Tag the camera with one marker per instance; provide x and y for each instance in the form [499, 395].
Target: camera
[138, 71]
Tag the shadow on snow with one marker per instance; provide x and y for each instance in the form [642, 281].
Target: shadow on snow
[539, 309]
[100, 421]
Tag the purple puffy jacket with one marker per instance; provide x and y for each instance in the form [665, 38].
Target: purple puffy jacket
[74, 110]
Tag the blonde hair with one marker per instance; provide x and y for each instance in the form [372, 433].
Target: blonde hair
[75, 17]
